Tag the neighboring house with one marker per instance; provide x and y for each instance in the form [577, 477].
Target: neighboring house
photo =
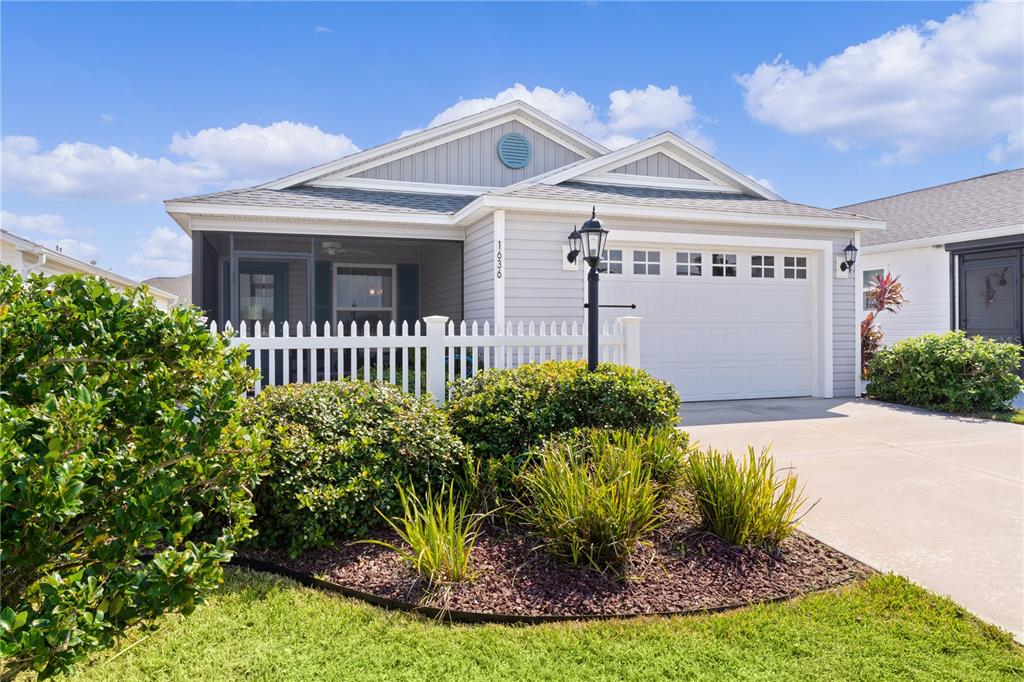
[740, 291]
[179, 286]
[28, 257]
[958, 250]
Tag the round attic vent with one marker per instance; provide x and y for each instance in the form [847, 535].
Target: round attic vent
[514, 150]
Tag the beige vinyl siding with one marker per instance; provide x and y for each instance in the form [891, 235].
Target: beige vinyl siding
[659, 165]
[473, 160]
[441, 280]
[478, 272]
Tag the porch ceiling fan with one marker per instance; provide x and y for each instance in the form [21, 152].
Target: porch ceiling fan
[336, 248]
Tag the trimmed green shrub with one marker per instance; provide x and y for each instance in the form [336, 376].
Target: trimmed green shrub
[590, 505]
[504, 413]
[949, 372]
[337, 449]
[119, 427]
[742, 500]
[437, 533]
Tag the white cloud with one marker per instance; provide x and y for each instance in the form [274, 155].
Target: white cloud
[107, 118]
[764, 182]
[915, 90]
[631, 115]
[251, 153]
[76, 249]
[46, 224]
[245, 154]
[163, 252]
[83, 170]
[321, 29]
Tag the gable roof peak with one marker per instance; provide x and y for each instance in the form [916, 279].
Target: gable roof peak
[443, 132]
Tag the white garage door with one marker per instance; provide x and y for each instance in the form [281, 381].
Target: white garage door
[719, 323]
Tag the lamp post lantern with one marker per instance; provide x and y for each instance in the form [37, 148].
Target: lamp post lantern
[590, 240]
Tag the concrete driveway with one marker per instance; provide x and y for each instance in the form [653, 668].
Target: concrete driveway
[936, 498]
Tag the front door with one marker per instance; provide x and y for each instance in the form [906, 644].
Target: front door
[991, 304]
[262, 292]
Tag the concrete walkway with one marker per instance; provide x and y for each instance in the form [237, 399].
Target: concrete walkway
[936, 498]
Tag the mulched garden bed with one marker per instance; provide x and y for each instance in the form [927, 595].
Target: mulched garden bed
[681, 569]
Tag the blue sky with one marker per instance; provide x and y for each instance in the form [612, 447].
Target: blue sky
[110, 108]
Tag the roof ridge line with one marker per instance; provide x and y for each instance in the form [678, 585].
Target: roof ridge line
[925, 189]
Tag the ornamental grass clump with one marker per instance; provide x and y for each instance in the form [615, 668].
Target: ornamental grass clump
[438, 534]
[743, 500]
[590, 505]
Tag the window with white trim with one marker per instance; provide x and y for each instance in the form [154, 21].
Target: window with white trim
[762, 267]
[723, 265]
[794, 267]
[870, 282]
[688, 263]
[612, 260]
[647, 262]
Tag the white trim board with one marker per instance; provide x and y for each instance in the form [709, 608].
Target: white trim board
[941, 239]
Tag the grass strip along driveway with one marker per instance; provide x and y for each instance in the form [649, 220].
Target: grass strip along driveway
[259, 627]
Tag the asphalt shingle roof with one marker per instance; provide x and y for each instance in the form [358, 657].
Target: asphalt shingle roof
[338, 198]
[672, 198]
[179, 286]
[988, 201]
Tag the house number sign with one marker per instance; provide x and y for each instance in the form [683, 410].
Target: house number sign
[497, 261]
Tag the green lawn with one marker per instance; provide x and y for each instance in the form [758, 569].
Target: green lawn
[1012, 416]
[265, 628]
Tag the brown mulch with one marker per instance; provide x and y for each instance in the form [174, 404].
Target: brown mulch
[682, 568]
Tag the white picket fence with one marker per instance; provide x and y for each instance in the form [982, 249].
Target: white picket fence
[424, 357]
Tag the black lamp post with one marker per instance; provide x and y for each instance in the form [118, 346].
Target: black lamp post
[850, 254]
[590, 240]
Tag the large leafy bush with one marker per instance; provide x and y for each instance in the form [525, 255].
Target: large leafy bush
[337, 451]
[118, 427]
[950, 372]
[503, 413]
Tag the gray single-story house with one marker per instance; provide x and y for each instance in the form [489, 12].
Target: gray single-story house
[741, 292]
[958, 248]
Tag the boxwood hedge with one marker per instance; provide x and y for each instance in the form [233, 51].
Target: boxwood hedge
[337, 450]
[950, 372]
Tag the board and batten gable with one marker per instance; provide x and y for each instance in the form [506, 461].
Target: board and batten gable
[538, 288]
[658, 165]
[473, 160]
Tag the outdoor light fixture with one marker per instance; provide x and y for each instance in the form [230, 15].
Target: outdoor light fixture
[851, 257]
[594, 237]
[589, 240]
[575, 244]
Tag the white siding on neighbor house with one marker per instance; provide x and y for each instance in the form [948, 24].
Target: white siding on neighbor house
[441, 280]
[924, 273]
[478, 272]
[537, 288]
[658, 165]
[473, 160]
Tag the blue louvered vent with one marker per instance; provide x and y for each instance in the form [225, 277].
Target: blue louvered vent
[514, 150]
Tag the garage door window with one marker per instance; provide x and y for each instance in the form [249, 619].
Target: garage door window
[646, 262]
[794, 267]
[688, 264]
[762, 267]
[612, 259]
[723, 265]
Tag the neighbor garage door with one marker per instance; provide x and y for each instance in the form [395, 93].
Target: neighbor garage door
[719, 323]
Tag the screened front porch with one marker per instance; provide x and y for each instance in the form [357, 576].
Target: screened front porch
[250, 277]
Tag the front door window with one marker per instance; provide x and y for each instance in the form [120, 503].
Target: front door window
[364, 294]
